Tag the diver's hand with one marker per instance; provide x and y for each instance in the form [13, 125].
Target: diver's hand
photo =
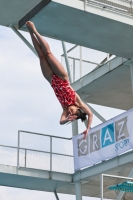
[85, 133]
[71, 117]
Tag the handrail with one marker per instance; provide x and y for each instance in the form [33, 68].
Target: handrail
[98, 67]
[111, 6]
[45, 135]
[86, 61]
[36, 150]
[8, 146]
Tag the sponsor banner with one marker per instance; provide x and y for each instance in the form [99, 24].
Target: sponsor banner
[104, 141]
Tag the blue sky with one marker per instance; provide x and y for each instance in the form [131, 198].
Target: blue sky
[28, 102]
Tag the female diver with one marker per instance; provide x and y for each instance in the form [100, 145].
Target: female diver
[56, 75]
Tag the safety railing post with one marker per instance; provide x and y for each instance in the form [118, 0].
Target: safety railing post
[25, 157]
[80, 62]
[50, 154]
[101, 186]
[18, 150]
[67, 61]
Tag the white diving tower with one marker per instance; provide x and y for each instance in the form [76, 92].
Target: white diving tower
[104, 25]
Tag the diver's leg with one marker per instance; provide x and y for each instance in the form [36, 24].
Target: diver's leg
[55, 65]
[46, 70]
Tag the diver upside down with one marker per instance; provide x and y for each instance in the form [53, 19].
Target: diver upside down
[53, 71]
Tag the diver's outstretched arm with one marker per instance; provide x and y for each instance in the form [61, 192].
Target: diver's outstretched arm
[65, 118]
[87, 110]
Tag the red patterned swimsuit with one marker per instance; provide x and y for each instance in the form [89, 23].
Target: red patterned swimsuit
[63, 91]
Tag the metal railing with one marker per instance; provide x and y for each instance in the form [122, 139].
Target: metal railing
[45, 152]
[75, 67]
[8, 155]
[39, 151]
[112, 6]
[80, 67]
[87, 66]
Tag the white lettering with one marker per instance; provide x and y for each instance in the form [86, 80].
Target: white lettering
[107, 137]
[85, 147]
[95, 142]
[121, 128]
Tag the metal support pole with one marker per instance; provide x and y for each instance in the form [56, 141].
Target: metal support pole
[24, 40]
[61, 60]
[75, 127]
[78, 191]
[25, 157]
[131, 69]
[84, 5]
[67, 61]
[96, 113]
[86, 61]
[73, 70]
[80, 62]
[50, 154]
[107, 57]
[18, 151]
[75, 123]
[57, 198]
[70, 49]
[101, 185]
[120, 195]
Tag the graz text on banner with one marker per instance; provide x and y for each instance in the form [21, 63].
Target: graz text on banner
[105, 141]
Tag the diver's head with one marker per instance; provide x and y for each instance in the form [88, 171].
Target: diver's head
[74, 110]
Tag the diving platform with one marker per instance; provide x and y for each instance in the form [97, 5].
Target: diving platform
[102, 25]
[108, 85]
[33, 178]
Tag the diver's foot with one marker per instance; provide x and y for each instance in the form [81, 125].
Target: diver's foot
[31, 27]
[30, 31]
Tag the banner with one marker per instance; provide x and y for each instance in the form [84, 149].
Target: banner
[104, 141]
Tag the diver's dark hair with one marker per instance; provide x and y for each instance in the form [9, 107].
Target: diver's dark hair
[81, 115]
